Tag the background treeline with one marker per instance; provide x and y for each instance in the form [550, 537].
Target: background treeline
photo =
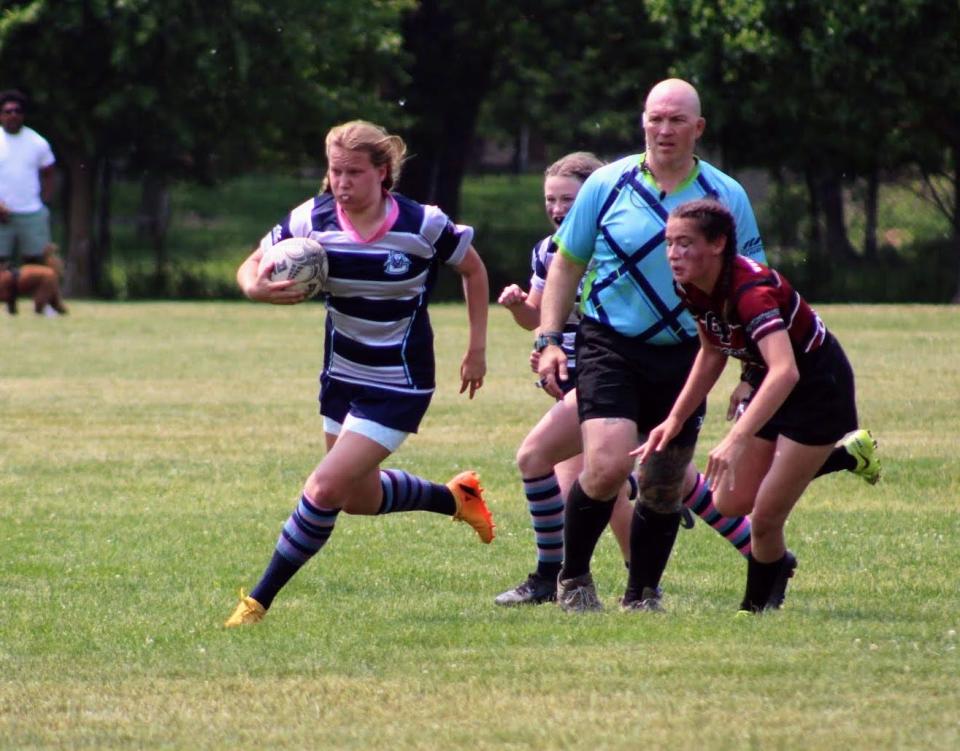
[170, 119]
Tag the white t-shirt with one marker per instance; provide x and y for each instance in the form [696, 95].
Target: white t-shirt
[22, 156]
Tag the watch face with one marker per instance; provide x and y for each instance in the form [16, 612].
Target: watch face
[545, 340]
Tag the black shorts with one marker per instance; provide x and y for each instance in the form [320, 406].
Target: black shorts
[619, 376]
[822, 407]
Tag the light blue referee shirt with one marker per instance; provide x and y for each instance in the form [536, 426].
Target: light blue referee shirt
[617, 221]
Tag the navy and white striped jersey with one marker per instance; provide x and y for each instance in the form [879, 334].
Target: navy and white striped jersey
[541, 258]
[378, 331]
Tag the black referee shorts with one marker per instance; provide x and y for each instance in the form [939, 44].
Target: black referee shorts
[822, 408]
[620, 376]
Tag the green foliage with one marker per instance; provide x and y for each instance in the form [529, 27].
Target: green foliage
[214, 228]
[576, 74]
[151, 453]
[174, 85]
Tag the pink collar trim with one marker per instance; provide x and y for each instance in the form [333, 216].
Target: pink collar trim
[393, 211]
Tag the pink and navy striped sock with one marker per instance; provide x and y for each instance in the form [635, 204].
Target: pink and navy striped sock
[304, 533]
[405, 492]
[736, 529]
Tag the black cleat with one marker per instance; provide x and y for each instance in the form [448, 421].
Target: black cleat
[535, 590]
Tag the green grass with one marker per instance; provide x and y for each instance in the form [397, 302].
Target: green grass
[151, 452]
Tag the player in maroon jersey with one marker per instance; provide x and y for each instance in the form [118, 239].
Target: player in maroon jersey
[804, 402]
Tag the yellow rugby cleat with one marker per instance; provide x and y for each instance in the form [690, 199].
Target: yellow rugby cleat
[471, 507]
[248, 611]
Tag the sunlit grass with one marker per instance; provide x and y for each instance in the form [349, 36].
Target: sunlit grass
[149, 454]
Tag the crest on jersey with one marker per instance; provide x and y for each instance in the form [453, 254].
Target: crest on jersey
[718, 328]
[397, 264]
[276, 234]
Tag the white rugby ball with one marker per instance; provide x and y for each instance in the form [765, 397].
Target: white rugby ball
[301, 259]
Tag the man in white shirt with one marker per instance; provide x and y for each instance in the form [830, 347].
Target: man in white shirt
[27, 182]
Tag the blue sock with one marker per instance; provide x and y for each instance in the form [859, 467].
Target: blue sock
[302, 536]
[405, 492]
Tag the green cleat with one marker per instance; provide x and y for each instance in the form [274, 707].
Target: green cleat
[861, 446]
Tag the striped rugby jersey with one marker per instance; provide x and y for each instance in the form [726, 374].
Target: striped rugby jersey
[761, 302]
[541, 258]
[378, 331]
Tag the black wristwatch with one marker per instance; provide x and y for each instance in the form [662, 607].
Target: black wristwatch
[547, 338]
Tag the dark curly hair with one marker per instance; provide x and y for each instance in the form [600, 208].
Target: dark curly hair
[13, 95]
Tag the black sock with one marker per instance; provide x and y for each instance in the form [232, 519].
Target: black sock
[549, 571]
[840, 460]
[651, 541]
[760, 580]
[585, 518]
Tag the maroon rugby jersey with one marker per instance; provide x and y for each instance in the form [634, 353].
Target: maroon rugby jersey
[762, 302]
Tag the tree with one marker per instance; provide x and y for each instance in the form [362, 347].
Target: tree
[809, 87]
[577, 74]
[177, 88]
[932, 82]
[452, 49]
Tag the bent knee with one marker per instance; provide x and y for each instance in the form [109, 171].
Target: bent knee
[530, 461]
[321, 491]
[603, 479]
[661, 480]
[663, 498]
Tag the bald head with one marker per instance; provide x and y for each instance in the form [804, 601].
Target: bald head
[671, 125]
[676, 92]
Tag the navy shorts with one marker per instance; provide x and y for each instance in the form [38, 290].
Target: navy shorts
[619, 376]
[392, 409]
[822, 407]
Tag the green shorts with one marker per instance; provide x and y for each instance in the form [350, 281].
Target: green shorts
[28, 233]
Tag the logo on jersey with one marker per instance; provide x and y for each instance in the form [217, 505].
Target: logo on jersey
[397, 264]
[718, 328]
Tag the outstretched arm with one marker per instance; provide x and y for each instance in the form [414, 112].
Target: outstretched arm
[782, 376]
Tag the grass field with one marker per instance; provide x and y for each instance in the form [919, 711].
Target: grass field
[149, 454]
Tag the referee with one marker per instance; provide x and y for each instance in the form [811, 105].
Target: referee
[636, 343]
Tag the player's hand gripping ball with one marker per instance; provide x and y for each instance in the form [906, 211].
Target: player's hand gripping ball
[301, 259]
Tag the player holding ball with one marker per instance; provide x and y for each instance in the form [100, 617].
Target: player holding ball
[383, 252]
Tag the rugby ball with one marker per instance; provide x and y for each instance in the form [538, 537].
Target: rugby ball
[300, 259]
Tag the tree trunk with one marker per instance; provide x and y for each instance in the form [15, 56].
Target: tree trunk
[521, 150]
[955, 219]
[813, 281]
[104, 238]
[831, 199]
[81, 246]
[449, 79]
[870, 206]
[153, 221]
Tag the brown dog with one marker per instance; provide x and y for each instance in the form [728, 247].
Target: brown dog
[41, 281]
